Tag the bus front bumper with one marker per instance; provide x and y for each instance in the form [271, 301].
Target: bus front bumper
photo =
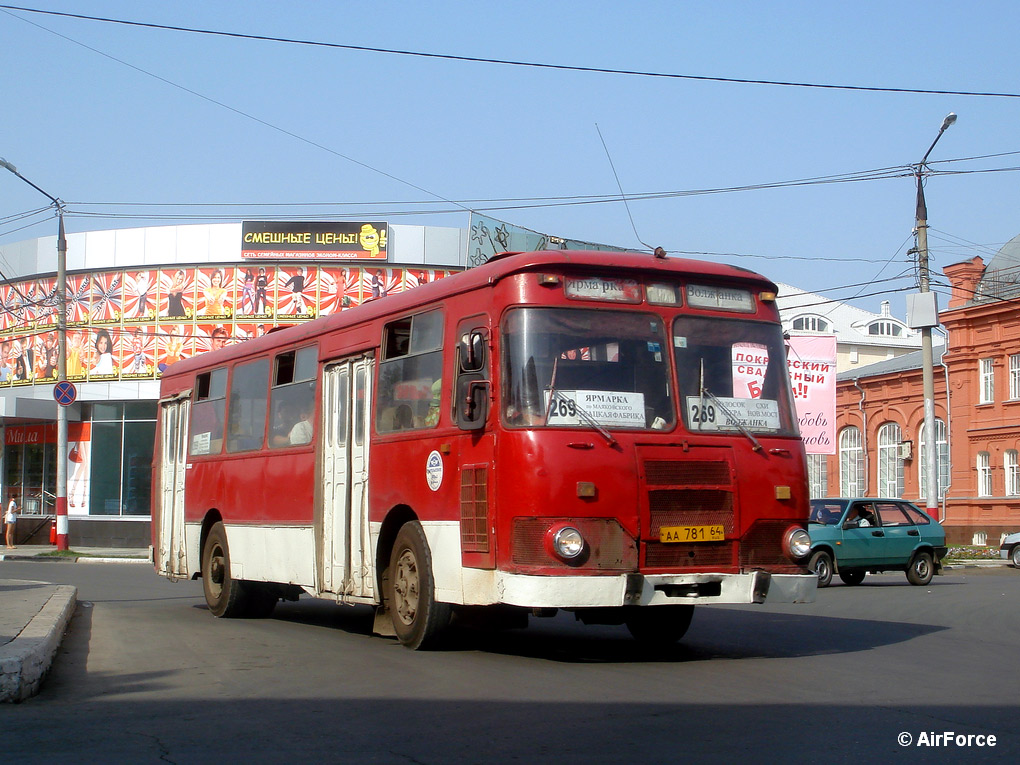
[653, 589]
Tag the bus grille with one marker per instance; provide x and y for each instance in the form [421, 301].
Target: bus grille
[762, 547]
[686, 472]
[659, 555]
[474, 508]
[690, 507]
[609, 548]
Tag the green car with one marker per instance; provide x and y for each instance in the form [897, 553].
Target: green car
[852, 536]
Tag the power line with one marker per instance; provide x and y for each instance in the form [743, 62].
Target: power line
[512, 62]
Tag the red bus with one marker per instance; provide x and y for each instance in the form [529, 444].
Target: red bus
[608, 433]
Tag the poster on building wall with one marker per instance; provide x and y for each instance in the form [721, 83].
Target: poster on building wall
[79, 466]
[812, 362]
[342, 240]
[132, 323]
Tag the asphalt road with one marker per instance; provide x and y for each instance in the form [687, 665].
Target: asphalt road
[145, 674]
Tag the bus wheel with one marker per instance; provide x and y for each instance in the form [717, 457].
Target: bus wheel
[225, 596]
[658, 625]
[260, 600]
[852, 576]
[417, 618]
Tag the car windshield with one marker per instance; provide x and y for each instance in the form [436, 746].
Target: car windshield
[826, 511]
[583, 368]
[733, 376]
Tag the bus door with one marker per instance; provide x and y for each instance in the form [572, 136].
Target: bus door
[171, 555]
[347, 560]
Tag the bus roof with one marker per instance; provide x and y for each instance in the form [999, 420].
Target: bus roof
[495, 269]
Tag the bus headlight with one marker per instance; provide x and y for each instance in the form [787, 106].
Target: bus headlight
[796, 543]
[567, 542]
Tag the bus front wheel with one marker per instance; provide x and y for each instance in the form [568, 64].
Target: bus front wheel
[417, 618]
[658, 625]
[223, 594]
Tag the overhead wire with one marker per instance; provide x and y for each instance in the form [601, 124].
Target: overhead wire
[512, 62]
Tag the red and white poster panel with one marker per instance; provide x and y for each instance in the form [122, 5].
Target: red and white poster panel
[812, 360]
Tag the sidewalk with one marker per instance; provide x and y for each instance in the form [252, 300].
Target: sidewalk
[34, 616]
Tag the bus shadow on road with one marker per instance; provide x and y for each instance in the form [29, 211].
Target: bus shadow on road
[714, 634]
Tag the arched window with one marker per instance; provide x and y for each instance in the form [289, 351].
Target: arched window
[890, 466]
[1012, 469]
[885, 329]
[851, 463]
[810, 324]
[984, 474]
[941, 461]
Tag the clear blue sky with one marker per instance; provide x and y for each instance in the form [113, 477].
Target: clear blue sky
[83, 120]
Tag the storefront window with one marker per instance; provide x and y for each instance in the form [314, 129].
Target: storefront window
[109, 461]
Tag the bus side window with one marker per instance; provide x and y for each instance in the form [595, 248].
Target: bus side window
[410, 373]
[293, 398]
[246, 416]
[207, 413]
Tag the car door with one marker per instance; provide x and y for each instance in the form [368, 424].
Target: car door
[899, 534]
[862, 545]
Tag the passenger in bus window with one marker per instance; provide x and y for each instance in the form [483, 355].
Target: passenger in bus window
[294, 427]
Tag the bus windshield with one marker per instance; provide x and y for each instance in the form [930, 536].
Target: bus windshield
[581, 368]
[733, 376]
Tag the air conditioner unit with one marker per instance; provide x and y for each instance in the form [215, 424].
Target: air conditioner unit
[906, 450]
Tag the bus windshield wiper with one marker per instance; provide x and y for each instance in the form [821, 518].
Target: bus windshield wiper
[730, 417]
[592, 422]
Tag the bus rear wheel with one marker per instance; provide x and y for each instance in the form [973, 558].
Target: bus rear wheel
[658, 625]
[417, 618]
[224, 595]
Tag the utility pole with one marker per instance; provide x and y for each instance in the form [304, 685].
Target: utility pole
[61, 499]
[925, 316]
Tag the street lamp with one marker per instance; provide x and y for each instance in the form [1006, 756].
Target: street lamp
[61, 502]
[925, 317]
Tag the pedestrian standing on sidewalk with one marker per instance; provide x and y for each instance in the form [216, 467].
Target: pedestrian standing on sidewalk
[11, 519]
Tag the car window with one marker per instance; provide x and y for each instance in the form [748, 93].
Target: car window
[921, 519]
[891, 515]
[862, 514]
[826, 513]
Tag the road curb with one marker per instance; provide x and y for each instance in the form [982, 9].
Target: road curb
[25, 660]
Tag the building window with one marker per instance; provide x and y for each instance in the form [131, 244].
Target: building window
[890, 466]
[984, 474]
[885, 329]
[818, 475]
[851, 463]
[941, 461]
[987, 374]
[810, 324]
[1012, 470]
[1014, 376]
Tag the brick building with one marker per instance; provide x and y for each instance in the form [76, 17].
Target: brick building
[880, 441]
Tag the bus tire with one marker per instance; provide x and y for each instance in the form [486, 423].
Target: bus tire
[224, 596]
[260, 600]
[417, 618]
[658, 625]
[852, 576]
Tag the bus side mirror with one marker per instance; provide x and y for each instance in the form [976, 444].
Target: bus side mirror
[472, 402]
[472, 352]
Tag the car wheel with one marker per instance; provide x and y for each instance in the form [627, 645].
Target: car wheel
[852, 576]
[417, 618]
[921, 569]
[821, 564]
[1015, 556]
